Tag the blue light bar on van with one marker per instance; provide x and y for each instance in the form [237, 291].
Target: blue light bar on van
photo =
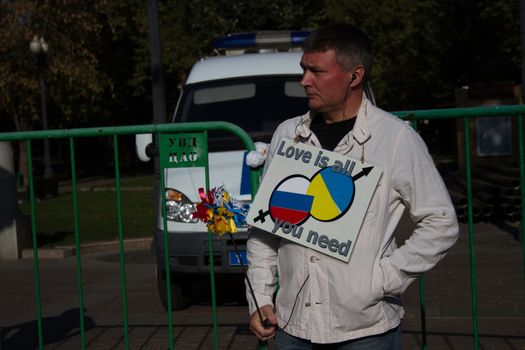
[261, 40]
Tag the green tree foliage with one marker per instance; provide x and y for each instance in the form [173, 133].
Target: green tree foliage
[188, 29]
[98, 66]
[124, 58]
[71, 68]
[488, 38]
[426, 48]
[74, 81]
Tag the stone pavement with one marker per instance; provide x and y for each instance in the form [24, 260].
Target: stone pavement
[500, 297]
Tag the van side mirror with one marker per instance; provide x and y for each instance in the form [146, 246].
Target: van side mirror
[143, 146]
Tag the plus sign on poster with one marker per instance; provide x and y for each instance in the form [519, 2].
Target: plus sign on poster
[315, 198]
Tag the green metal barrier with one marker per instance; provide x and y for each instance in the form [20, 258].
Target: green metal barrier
[466, 113]
[114, 132]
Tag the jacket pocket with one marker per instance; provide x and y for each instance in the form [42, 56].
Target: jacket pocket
[377, 282]
[392, 281]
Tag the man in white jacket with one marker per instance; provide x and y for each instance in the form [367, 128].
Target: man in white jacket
[322, 300]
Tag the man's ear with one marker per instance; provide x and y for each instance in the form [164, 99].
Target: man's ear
[356, 76]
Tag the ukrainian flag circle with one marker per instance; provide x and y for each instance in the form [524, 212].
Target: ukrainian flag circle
[333, 194]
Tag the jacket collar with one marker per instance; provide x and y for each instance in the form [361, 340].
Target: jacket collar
[361, 131]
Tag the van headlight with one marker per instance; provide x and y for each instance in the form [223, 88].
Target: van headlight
[178, 207]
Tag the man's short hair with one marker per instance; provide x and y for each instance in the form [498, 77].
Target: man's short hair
[352, 47]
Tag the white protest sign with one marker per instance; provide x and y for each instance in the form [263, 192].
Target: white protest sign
[315, 198]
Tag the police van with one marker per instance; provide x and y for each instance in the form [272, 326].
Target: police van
[254, 83]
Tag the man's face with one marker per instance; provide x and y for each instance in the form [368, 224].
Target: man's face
[324, 82]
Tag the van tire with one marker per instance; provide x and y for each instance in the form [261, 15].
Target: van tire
[179, 291]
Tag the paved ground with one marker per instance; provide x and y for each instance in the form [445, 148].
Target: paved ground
[500, 295]
[500, 286]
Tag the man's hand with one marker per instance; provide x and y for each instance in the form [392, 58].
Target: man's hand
[262, 332]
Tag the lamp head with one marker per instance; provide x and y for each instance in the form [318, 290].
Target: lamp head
[38, 45]
[34, 45]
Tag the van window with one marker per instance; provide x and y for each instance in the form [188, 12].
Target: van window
[294, 89]
[223, 93]
[256, 104]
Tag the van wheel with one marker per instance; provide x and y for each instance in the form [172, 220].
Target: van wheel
[179, 291]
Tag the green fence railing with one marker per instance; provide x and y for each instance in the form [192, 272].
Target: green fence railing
[115, 132]
[516, 111]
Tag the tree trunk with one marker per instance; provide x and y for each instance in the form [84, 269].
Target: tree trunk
[22, 165]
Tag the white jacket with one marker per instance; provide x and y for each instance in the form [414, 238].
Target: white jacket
[340, 301]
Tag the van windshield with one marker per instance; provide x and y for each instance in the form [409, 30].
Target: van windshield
[256, 104]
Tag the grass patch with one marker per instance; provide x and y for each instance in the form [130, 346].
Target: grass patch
[97, 217]
[137, 181]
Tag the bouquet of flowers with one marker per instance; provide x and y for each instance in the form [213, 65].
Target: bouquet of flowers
[220, 212]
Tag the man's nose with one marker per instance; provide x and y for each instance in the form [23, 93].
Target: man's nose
[305, 80]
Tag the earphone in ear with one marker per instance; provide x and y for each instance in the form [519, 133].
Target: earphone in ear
[353, 78]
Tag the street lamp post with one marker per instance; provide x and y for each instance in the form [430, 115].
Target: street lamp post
[39, 47]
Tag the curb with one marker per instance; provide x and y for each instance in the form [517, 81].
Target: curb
[97, 188]
[61, 252]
